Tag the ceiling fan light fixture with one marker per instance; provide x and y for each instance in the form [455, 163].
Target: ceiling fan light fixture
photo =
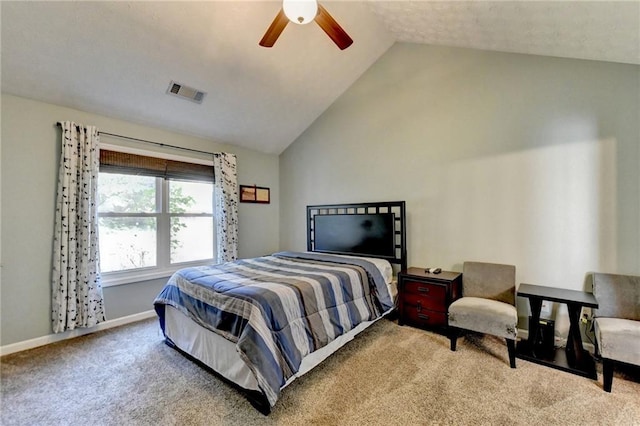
[300, 11]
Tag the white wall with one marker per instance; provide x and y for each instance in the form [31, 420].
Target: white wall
[30, 155]
[507, 158]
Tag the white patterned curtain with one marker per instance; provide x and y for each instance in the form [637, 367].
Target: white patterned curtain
[226, 206]
[77, 293]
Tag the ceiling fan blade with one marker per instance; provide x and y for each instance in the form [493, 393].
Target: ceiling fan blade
[274, 30]
[333, 30]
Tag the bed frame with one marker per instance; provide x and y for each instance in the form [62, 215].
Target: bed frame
[396, 208]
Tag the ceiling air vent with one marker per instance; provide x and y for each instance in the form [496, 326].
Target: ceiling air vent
[186, 92]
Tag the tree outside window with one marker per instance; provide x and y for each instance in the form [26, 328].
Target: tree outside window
[151, 222]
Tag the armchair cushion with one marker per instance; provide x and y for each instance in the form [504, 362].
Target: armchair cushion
[489, 281]
[618, 296]
[618, 339]
[484, 316]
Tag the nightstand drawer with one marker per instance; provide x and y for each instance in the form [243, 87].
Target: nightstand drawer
[424, 302]
[424, 298]
[434, 291]
[424, 317]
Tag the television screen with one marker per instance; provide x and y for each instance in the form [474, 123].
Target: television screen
[367, 234]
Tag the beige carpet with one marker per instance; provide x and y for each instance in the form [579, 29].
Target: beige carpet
[388, 375]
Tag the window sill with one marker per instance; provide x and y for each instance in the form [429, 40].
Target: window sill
[110, 279]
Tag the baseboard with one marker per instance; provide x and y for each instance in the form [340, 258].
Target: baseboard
[52, 338]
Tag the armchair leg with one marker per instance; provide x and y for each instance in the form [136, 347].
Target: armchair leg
[607, 373]
[511, 347]
[453, 337]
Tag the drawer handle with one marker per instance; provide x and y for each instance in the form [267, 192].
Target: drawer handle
[423, 289]
[423, 316]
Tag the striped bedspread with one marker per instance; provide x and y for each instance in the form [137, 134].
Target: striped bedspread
[278, 308]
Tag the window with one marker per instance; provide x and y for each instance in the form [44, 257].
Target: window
[152, 219]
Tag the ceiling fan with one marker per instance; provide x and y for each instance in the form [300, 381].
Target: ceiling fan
[302, 12]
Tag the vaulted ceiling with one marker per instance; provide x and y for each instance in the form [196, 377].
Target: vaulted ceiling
[118, 58]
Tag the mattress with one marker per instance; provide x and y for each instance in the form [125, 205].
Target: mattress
[222, 355]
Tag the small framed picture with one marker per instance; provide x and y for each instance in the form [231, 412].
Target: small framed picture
[254, 194]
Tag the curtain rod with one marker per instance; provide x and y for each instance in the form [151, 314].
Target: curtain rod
[59, 124]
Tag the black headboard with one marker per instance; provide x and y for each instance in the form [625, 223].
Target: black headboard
[366, 229]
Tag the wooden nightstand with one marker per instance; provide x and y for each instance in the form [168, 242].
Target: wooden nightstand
[423, 298]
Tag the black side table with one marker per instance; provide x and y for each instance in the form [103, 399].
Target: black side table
[574, 359]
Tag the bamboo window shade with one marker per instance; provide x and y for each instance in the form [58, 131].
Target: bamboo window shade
[134, 164]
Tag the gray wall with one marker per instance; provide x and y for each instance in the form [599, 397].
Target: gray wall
[30, 151]
[520, 159]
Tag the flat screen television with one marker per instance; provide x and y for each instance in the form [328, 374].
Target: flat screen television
[366, 234]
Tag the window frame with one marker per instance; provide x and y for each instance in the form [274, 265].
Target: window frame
[164, 268]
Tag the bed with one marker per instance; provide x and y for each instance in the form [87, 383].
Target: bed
[261, 323]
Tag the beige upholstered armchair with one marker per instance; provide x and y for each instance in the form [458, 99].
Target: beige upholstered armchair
[487, 305]
[617, 321]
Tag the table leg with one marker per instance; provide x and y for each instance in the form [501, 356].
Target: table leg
[536, 306]
[574, 349]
